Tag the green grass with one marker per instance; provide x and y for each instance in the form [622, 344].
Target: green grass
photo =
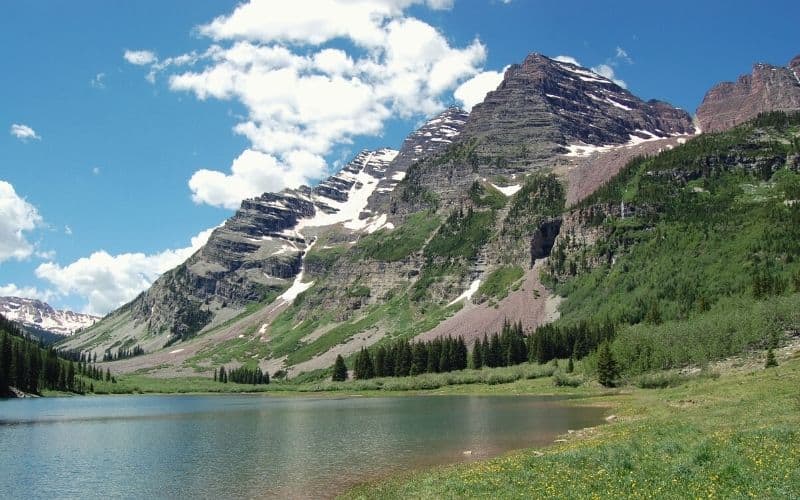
[486, 195]
[397, 244]
[500, 282]
[733, 437]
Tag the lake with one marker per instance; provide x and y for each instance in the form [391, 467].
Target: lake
[255, 446]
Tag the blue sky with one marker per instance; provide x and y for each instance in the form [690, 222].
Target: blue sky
[110, 164]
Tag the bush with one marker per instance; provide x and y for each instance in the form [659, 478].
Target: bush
[561, 379]
[660, 380]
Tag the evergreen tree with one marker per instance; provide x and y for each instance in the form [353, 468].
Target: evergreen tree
[364, 369]
[380, 362]
[420, 358]
[223, 377]
[771, 361]
[444, 358]
[570, 366]
[462, 353]
[607, 369]
[5, 363]
[477, 355]
[215, 374]
[339, 369]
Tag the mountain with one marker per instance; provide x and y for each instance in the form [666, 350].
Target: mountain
[37, 316]
[545, 107]
[767, 88]
[446, 236]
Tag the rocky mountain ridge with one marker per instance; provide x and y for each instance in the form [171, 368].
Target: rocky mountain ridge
[444, 231]
[42, 316]
[767, 88]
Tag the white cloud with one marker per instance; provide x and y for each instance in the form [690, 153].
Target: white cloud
[474, 90]
[27, 292]
[567, 59]
[17, 216]
[96, 170]
[312, 21]
[622, 55]
[24, 132]
[140, 57]
[68, 230]
[303, 98]
[108, 281]
[98, 82]
[253, 173]
[606, 71]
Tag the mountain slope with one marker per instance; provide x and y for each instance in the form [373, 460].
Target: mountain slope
[38, 316]
[390, 250]
[767, 88]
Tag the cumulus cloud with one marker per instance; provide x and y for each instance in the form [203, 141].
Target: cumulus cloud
[304, 97]
[23, 132]
[108, 281]
[17, 217]
[140, 57]
[27, 292]
[474, 90]
[567, 59]
[607, 71]
[253, 173]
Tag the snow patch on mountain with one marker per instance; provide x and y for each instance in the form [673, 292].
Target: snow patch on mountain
[468, 293]
[38, 314]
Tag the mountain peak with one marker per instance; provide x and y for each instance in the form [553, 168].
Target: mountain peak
[766, 88]
[33, 313]
[544, 105]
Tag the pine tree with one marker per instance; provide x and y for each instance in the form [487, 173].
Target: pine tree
[215, 374]
[5, 363]
[339, 370]
[570, 366]
[771, 361]
[223, 377]
[477, 355]
[607, 369]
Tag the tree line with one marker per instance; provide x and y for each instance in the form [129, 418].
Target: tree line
[30, 367]
[123, 353]
[241, 375]
[508, 347]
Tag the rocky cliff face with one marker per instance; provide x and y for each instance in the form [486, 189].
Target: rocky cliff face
[767, 88]
[544, 106]
[42, 316]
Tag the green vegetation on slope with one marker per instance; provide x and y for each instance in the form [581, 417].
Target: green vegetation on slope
[486, 195]
[499, 282]
[399, 243]
[700, 232]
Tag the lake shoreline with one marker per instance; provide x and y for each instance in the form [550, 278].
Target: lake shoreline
[651, 433]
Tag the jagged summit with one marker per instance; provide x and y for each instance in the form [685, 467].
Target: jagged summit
[39, 315]
[767, 88]
[544, 105]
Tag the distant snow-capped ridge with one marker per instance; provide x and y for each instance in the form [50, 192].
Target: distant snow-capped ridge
[37, 314]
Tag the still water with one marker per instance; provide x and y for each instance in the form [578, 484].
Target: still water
[255, 446]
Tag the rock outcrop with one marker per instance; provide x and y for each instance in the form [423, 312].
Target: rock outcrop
[767, 88]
